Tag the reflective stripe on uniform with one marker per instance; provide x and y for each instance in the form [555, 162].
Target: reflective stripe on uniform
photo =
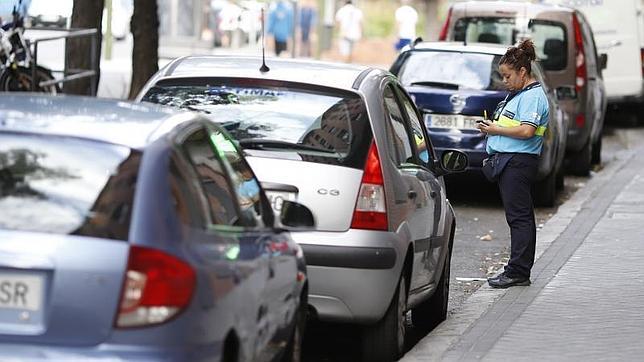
[509, 123]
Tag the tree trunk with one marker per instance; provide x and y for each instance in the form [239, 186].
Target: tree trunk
[145, 51]
[85, 14]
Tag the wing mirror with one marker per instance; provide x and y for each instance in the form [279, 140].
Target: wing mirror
[453, 161]
[603, 61]
[296, 215]
[565, 92]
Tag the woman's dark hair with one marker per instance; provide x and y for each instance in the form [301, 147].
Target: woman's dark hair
[520, 56]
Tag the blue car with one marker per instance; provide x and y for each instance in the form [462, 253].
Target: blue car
[455, 85]
[133, 232]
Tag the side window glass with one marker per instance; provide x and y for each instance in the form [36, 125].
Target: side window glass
[212, 177]
[186, 197]
[242, 177]
[422, 144]
[550, 44]
[401, 150]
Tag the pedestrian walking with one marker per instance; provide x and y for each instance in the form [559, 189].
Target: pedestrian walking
[349, 18]
[406, 19]
[514, 143]
[280, 25]
[308, 18]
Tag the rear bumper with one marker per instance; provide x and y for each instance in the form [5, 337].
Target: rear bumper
[102, 352]
[352, 274]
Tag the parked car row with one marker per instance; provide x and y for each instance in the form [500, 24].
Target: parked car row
[215, 234]
[212, 224]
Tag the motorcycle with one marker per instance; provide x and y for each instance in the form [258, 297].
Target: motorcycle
[16, 61]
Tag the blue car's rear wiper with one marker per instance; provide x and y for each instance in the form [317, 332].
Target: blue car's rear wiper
[261, 144]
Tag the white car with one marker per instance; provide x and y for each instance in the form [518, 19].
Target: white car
[50, 13]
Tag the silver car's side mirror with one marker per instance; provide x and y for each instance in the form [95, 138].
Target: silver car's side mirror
[454, 161]
[603, 61]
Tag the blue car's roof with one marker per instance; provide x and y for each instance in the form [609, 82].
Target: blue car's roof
[336, 75]
[106, 120]
[485, 48]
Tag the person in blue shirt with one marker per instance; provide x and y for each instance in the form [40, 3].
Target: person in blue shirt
[280, 25]
[515, 139]
[6, 10]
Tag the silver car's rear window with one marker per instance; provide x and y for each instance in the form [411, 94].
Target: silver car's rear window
[66, 185]
[451, 69]
[289, 121]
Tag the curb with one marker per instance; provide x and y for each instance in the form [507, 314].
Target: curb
[443, 337]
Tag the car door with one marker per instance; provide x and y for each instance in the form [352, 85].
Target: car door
[244, 251]
[280, 290]
[431, 184]
[412, 197]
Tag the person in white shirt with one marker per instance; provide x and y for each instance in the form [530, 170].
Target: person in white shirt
[349, 18]
[406, 19]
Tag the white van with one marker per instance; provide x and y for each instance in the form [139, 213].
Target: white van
[618, 27]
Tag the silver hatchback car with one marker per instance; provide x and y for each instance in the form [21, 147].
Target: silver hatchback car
[348, 143]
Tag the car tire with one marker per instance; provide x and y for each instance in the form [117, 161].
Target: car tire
[596, 158]
[580, 161]
[293, 351]
[385, 341]
[431, 312]
[545, 191]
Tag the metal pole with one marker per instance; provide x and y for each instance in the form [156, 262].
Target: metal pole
[94, 79]
[296, 18]
[34, 67]
[108, 30]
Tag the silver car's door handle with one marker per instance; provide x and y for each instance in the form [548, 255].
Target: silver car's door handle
[412, 194]
[432, 194]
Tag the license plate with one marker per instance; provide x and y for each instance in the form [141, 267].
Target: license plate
[21, 291]
[277, 198]
[451, 121]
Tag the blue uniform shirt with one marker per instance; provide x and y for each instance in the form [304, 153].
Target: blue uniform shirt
[529, 106]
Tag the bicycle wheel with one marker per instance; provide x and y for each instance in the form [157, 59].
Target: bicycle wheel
[19, 80]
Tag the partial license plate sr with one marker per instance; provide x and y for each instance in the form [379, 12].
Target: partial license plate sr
[21, 291]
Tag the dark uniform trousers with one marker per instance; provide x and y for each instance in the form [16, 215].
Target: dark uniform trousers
[515, 184]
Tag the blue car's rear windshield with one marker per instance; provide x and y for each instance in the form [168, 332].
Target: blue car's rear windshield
[291, 120]
[452, 70]
[66, 185]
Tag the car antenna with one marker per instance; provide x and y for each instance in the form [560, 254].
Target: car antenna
[264, 68]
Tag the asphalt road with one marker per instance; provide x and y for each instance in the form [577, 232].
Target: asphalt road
[481, 247]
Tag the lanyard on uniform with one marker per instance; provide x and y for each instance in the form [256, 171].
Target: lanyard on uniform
[501, 105]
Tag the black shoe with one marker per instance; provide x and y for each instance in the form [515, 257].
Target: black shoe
[504, 281]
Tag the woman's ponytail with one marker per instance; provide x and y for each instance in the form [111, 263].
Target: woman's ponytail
[520, 56]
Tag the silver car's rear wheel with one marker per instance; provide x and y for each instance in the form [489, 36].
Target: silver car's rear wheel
[385, 341]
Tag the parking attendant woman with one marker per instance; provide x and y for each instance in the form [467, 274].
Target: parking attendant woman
[514, 141]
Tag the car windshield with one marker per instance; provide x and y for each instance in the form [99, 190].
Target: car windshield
[451, 70]
[66, 186]
[493, 30]
[549, 37]
[319, 127]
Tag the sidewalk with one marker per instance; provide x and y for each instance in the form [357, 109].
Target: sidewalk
[587, 292]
